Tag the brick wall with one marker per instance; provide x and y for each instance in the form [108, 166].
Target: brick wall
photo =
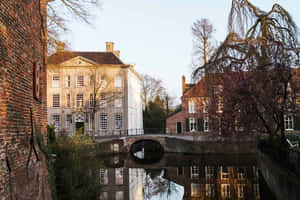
[22, 42]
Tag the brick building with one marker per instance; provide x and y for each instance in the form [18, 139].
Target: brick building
[195, 115]
[23, 173]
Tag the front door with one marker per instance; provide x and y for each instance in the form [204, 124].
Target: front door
[179, 128]
[80, 127]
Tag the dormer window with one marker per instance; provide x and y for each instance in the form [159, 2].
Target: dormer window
[192, 106]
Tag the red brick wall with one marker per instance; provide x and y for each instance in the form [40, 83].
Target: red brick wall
[22, 42]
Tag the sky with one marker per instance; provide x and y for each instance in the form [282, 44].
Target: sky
[156, 34]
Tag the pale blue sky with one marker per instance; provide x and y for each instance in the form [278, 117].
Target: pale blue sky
[156, 34]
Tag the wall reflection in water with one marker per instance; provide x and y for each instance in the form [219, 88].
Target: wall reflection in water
[195, 181]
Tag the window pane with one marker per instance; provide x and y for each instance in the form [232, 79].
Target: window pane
[56, 121]
[119, 175]
[68, 121]
[119, 121]
[79, 100]
[80, 81]
[103, 121]
[55, 81]
[56, 101]
[68, 81]
[103, 176]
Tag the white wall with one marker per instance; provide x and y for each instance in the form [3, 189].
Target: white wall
[135, 113]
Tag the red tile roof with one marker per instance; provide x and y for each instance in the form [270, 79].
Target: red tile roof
[97, 57]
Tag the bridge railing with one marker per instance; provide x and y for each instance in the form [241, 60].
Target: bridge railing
[126, 132]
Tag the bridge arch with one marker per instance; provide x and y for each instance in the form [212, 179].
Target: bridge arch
[146, 150]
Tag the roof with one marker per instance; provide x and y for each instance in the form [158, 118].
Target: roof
[97, 57]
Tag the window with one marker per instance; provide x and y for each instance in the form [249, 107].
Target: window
[103, 196]
[68, 121]
[56, 101]
[241, 190]
[103, 176]
[79, 100]
[195, 190]
[118, 103]
[119, 195]
[224, 172]
[68, 81]
[206, 124]
[209, 190]
[115, 147]
[55, 81]
[225, 190]
[209, 172]
[255, 172]
[119, 121]
[220, 105]
[103, 121]
[90, 122]
[241, 173]
[256, 191]
[92, 100]
[192, 106]
[193, 124]
[80, 81]
[118, 81]
[195, 172]
[103, 101]
[56, 121]
[119, 176]
[91, 81]
[288, 122]
[68, 100]
[205, 105]
[180, 171]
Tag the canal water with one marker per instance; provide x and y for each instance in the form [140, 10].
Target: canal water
[183, 177]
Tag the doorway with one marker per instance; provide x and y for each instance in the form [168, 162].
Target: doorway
[80, 127]
[179, 127]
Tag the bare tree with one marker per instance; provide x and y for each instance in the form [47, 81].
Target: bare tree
[203, 43]
[258, 58]
[151, 88]
[60, 12]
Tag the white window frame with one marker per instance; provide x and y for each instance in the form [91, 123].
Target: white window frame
[192, 106]
[225, 175]
[119, 176]
[209, 190]
[103, 119]
[103, 175]
[193, 124]
[195, 172]
[118, 81]
[56, 121]
[225, 190]
[68, 121]
[115, 147]
[68, 81]
[209, 172]
[118, 121]
[220, 105]
[56, 100]
[195, 190]
[288, 122]
[206, 123]
[90, 122]
[79, 83]
[79, 101]
[55, 81]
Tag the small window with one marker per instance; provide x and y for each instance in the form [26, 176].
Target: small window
[90, 122]
[288, 122]
[224, 173]
[118, 103]
[68, 100]
[225, 190]
[118, 81]
[92, 81]
[55, 81]
[68, 81]
[195, 190]
[192, 106]
[80, 81]
[56, 101]
[103, 121]
[206, 123]
[115, 147]
[92, 100]
[119, 121]
[68, 121]
[119, 195]
[119, 176]
[103, 176]
[79, 100]
[193, 124]
[209, 190]
[56, 121]
[195, 172]
[209, 172]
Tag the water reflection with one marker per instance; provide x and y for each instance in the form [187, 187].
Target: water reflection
[192, 178]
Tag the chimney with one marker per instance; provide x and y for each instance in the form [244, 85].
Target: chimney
[183, 84]
[109, 46]
[60, 46]
[117, 52]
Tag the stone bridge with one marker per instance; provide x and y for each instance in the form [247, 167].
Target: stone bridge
[182, 143]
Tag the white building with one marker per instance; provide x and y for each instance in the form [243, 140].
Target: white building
[76, 79]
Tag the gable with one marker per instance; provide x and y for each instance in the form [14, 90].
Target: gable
[78, 61]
